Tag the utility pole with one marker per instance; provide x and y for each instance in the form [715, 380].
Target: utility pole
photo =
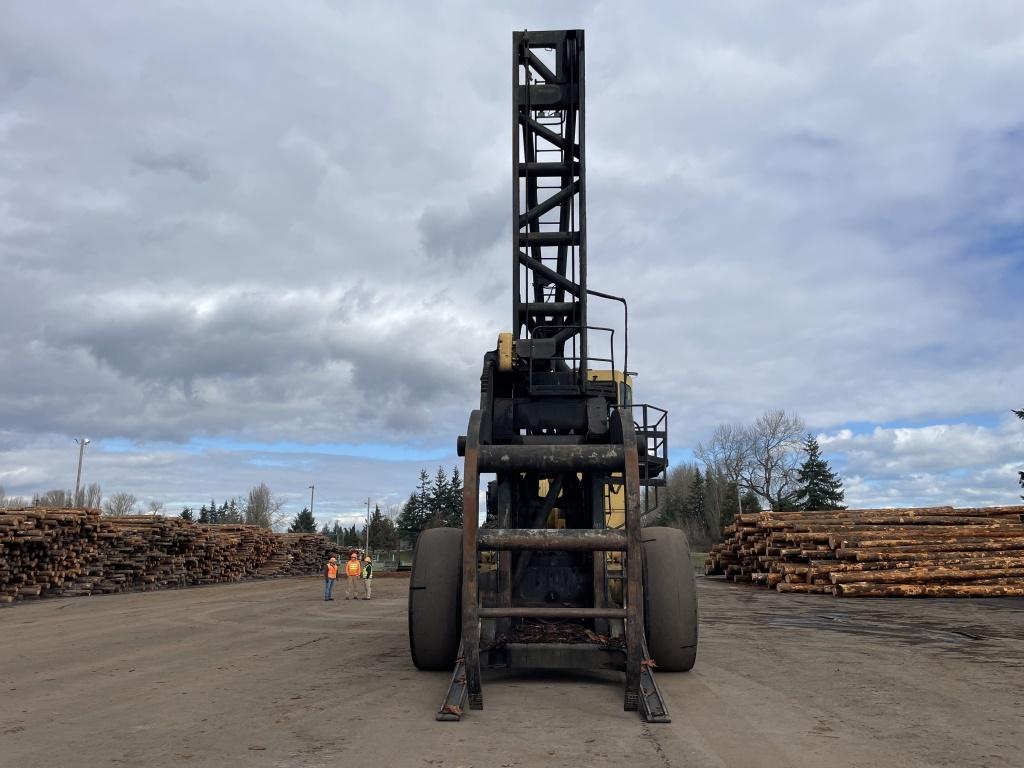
[368, 524]
[82, 442]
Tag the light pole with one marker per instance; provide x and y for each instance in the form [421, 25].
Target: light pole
[82, 442]
[311, 498]
[367, 525]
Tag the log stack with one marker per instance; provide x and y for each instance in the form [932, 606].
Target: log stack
[927, 552]
[75, 552]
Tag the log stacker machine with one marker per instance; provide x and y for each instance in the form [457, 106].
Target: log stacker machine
[561, 575]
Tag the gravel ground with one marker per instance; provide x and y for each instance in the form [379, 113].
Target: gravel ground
[268, 674]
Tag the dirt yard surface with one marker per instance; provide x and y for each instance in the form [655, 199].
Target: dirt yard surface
[268, 674]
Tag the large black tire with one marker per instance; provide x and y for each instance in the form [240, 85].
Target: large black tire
[435, 591]
[670, 599]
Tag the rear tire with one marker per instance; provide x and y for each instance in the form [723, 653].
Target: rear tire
[670, 599]
[435, 589]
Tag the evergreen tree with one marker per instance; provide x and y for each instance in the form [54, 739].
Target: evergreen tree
[438, 496]
[820, 487]
[208, 515]
[693, 509]
[788, 503]
[304, 522]
[233, 513]
[423, 487]
[751, 502]
[412, 518]
[435, 503]
[186, 514]
[423, 495]
[453, 509]
[383, 534]
[337, 534]
[730, 503]
[325, 531]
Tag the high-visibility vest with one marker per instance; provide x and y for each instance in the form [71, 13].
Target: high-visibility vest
[353, 568]
[332, 570]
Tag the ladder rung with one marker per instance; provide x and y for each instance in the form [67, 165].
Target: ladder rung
[549, 238]
[552, 613]
[543, 169]
[551, 307]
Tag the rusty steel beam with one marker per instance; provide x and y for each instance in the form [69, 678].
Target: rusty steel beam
[634, 586]
[550, 539]
[551, 458]
[470, 586]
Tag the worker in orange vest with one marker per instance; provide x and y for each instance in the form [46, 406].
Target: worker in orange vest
[330, 576]
[353, 570]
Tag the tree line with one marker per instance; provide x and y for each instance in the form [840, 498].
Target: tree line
[773, 461]
[383, 531]
[260, 508]
[59, 498]
[436, 503]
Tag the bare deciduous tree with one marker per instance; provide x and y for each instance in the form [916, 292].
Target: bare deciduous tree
[155, 507]
[89, 497]
[12, 502]
[725, 457]
[55, 497]
[775, 442]
[763, 458]
[263, 509]
[727, 453]
[120, 504]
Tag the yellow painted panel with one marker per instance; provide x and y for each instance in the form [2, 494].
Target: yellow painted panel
[505, 352]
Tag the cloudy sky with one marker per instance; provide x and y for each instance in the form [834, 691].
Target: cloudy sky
[245, 242]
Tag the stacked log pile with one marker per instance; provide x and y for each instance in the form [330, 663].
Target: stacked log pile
[928, 552]
[67, 552]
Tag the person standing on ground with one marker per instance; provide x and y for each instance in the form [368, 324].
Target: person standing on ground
[353, 570]
[330, 576]
[367, 575]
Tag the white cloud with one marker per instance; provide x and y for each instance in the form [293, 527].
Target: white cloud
[959, 464]
[276, 224]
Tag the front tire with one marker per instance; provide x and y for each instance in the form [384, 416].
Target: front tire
[670, 599]
[435, 589]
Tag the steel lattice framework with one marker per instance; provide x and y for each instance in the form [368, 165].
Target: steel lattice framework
[549, 199]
